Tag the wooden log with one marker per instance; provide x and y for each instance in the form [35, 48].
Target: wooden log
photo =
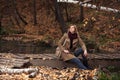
[31, 71]
[51, 60]
[115, 56]
[84, 4]
[13, 62]
[99, 56]
[17, 71]
[94, 63]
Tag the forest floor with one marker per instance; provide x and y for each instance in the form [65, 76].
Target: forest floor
[100, 31]
[51, 70]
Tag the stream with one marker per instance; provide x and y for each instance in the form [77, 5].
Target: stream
[14, 46]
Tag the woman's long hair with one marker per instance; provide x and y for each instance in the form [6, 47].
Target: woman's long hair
[76, 30]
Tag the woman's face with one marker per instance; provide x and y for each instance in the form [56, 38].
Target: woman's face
[72, 29]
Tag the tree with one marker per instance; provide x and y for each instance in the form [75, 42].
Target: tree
[17, 15]
[81, 13]
[59, 17]
[82, 9]
[1, 14]
[66, 11]
[0, 22]
[0, 19]
[34, 12]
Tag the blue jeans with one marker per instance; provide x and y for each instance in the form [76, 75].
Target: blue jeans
[77, 60]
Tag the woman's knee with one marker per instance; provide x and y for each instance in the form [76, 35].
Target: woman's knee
[76, 60]
[78, 52]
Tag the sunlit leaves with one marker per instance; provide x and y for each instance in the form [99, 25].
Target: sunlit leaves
[48, 73]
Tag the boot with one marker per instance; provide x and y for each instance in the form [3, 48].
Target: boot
[85, 62]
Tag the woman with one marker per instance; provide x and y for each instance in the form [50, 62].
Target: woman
[68, 49]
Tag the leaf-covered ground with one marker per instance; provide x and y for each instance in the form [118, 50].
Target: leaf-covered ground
[48, 73]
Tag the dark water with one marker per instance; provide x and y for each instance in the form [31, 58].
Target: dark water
[14, 46]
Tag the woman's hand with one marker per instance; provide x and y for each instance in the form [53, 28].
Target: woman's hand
[85, 53]
[66, 51]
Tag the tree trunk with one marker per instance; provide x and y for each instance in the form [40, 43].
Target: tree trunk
[31, 71]
[24, 22]
[81, 13]
[14, 15]
[59, 17]
[17, 71]
[94, 6]
[34, 12]
[17, 15]
[66, 10]
[0, 23]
